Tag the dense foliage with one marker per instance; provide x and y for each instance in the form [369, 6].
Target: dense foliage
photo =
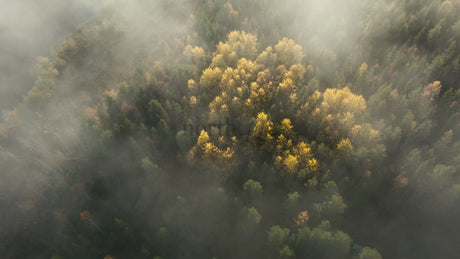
[243, 137]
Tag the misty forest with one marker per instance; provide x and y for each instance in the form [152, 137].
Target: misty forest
[230, 129]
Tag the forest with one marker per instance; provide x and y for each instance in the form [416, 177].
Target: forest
[232, 129]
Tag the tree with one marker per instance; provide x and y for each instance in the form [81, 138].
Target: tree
[297, 161]
[254, 216]
[278, 236]
[288, 52]
[321, 242]
[263, 130]
[253, 189]
[219, 158]
[331, 114]
[302, 218]
[369, 253]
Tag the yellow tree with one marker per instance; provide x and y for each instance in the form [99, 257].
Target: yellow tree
[240, 83]
[297, 161]
[239, 44]
[262, 134]
[209, 154]
[331, 114]
[289, 52]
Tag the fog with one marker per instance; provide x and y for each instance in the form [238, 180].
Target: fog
[30, 29]
[89, 167]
